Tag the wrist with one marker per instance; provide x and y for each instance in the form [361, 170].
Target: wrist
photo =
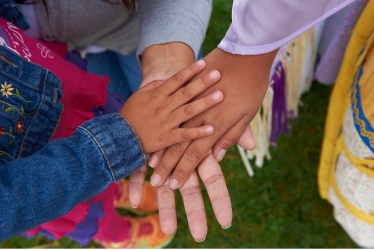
[166, 59]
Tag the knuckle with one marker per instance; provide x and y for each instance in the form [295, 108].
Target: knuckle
[185, 135]
[162, 168]
[188, 110]
[193, 154]
[178, 77]
[186, 91]
[228, 143]
[141, 172]
[190, 191]
[179, 174]
[164, 190]
[214, 179]
[176, 149]
[224, 196]
[135, 183]
[165, 209]
[190, 213]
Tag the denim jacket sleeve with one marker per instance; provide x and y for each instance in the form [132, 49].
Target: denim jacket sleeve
[49, 183]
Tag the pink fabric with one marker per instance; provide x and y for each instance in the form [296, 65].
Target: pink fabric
[261, 26]
[82, 92]
[112, 227]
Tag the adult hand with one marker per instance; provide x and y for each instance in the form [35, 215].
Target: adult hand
[244, 82]
[211, 175]
[163, 69]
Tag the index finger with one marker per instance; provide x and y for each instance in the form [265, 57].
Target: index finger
[180, 78]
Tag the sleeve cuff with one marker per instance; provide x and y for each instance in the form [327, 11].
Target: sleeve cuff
[117, 142]
[163, 24]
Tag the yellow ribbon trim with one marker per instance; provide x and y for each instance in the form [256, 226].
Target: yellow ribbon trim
[358, 163]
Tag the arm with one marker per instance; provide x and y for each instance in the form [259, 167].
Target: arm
[52, 181]
[65, 172]
[245, 58]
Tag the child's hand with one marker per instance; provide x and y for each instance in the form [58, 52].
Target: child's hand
[156, 111]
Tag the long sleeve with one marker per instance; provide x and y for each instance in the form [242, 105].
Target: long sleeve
[164, 21]
[260, 26]
[49, 183]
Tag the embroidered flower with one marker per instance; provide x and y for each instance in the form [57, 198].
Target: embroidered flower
[2, 131]
[6, 89]
[19, 126]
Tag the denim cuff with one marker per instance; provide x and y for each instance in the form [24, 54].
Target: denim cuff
[118, 143]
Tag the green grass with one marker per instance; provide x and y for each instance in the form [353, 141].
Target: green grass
[280, 206]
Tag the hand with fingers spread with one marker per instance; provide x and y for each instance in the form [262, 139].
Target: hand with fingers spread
[210, 173]
[212, 178]
[156, 111]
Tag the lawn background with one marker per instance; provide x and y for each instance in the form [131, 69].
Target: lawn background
[277, 208]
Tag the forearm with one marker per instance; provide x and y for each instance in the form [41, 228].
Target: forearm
[49, 183]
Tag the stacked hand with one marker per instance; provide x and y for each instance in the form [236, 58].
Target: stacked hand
[244, 93]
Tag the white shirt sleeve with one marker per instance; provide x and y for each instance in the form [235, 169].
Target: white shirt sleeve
[261, 26]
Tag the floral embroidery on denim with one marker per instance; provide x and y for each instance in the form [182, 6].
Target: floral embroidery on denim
[19, 126]
[8, 92]
[9, 134]
[6, 89]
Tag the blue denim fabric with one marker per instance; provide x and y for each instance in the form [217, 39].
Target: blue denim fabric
[33, 105]
[12, 13]
[39, 184]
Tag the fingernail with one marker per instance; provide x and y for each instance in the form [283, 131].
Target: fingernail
[200, 62]
[199, 241]
[155, 180]
[133, 206]
[221, 154]
[214, 74]
[209, 129]
[227, 226]
[152, 162]
[217, 95]
[174, 184]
